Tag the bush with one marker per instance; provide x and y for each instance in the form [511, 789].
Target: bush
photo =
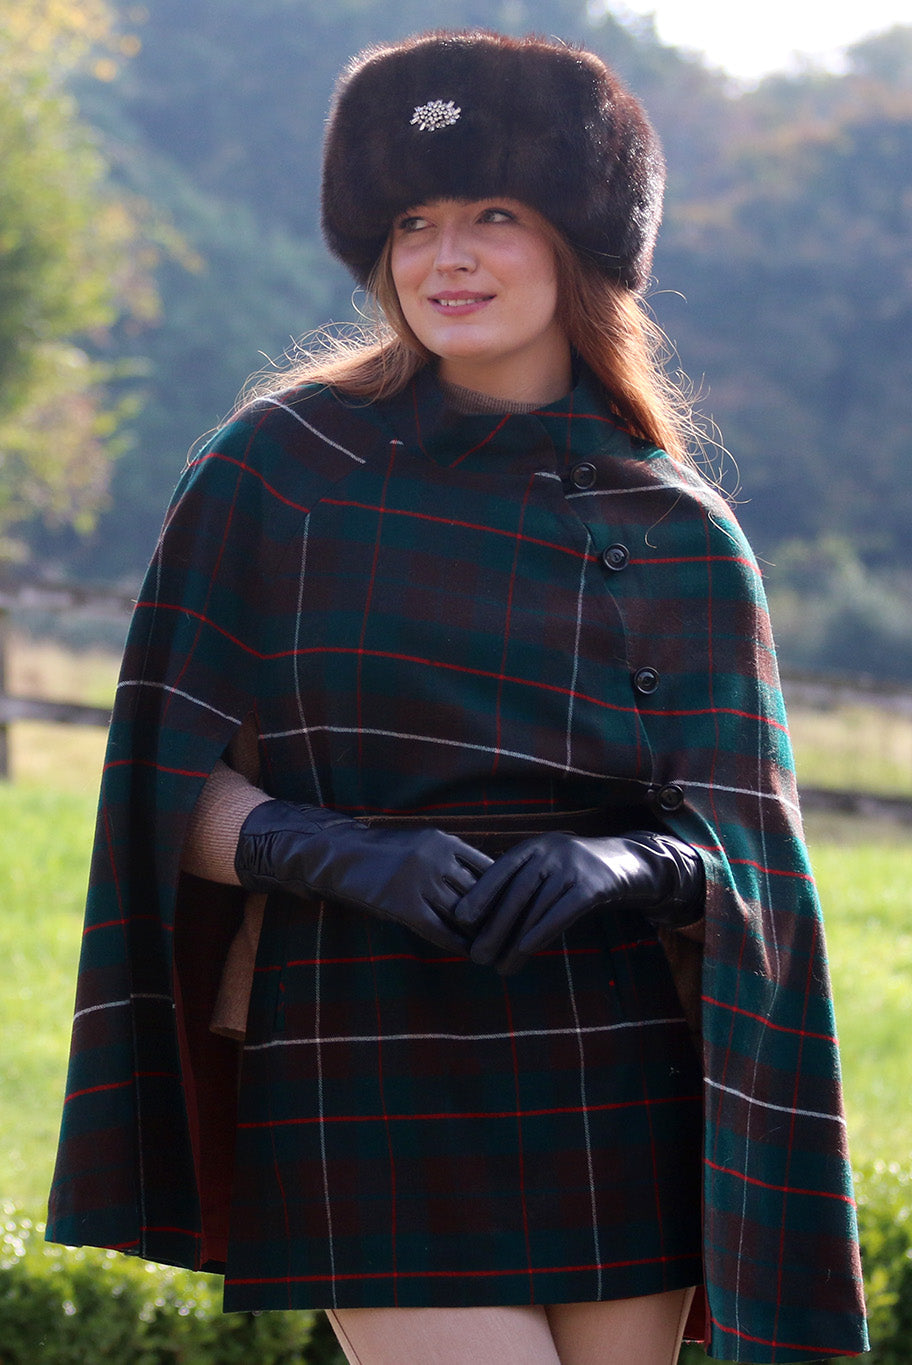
[885, 1220]
[63, 1306]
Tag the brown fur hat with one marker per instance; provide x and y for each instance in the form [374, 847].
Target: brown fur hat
[468, 115]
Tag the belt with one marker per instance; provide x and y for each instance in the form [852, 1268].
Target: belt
[494, 834]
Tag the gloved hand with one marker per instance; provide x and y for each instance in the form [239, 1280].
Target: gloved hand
[536, 890]
[413, 876]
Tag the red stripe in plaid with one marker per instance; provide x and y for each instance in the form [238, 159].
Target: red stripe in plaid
[782, 1028]
[385, 1117]
[253, 473]
[458, 1274]
[508, 533]
[481, 444]
[784, 1189]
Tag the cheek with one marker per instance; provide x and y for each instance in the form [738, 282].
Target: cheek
[405, 268]
[537, 269]
[543, 301]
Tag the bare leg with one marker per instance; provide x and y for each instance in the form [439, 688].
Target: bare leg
[646, 1330]
[444, 1336]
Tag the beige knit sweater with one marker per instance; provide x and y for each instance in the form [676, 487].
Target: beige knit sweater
[228, 797]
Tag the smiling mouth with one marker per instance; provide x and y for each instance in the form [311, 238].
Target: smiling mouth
[459, 301]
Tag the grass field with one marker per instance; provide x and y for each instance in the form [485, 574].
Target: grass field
[854, 748]
[46, 818]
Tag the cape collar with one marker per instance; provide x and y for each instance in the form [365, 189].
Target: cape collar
[576, 426]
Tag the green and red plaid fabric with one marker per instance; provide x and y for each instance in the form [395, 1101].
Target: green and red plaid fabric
[439, 615]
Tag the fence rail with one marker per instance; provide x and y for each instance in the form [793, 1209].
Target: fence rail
[807, 691]
[85, 599]
[814, 690]
[860, 803]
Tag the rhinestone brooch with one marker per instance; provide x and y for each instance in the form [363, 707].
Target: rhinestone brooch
[435, 115]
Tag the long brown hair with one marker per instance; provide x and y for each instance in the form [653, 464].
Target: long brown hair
[605, 323]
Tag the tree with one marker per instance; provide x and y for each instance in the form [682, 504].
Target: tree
[67, 269]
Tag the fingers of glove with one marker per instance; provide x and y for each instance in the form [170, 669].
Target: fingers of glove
[462, 872]
[444, 887]
[536, 933]
[472, 859]
[454, 885]
[525, 902]
[477, 904]
[431, 927]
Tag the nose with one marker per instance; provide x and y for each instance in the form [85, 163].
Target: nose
[454, 251]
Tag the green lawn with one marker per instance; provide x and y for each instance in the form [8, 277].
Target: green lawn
[45, 839]
[865, 870]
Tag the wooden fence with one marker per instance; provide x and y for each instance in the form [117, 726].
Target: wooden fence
[810, 692]
[50, 597]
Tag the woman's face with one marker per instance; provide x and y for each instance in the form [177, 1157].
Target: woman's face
[477, 284]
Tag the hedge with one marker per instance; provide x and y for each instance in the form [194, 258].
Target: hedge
[65, 1306]
[62, 1306]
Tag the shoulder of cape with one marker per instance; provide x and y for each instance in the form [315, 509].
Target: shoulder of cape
[289, 448]
[676, 495]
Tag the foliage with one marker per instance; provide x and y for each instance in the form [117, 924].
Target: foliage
[235, 289]
[800, 309]
[832, 611]
[64, 1307]
[885, 1218]
[65, 275]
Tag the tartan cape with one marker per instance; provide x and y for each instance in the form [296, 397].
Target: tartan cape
[145, 1157]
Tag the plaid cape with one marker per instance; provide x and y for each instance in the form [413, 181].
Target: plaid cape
[693, 709]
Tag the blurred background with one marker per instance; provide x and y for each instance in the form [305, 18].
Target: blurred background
[159, 242]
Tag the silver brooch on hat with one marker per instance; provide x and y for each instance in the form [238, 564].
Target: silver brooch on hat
[435, 115]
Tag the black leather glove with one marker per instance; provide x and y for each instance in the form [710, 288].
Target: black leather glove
[540, 887]
[412, 876]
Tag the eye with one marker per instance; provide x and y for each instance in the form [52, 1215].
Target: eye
[493, 214]
[411, 222]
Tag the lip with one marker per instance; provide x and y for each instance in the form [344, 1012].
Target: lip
[458, 302]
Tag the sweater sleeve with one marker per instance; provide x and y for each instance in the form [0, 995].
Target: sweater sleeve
[215, 824]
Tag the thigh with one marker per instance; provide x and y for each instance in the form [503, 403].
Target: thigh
[647, 1329]
[444, 1336]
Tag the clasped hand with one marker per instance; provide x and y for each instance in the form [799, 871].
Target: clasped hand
[497, 912]
[539, 888]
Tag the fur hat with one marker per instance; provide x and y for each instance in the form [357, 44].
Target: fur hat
[468, 115]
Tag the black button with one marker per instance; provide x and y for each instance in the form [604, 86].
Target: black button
[646, 680]
[670, 797]
[616, 557]
[583, 475]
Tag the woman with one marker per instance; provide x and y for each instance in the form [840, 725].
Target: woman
[449, 660]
